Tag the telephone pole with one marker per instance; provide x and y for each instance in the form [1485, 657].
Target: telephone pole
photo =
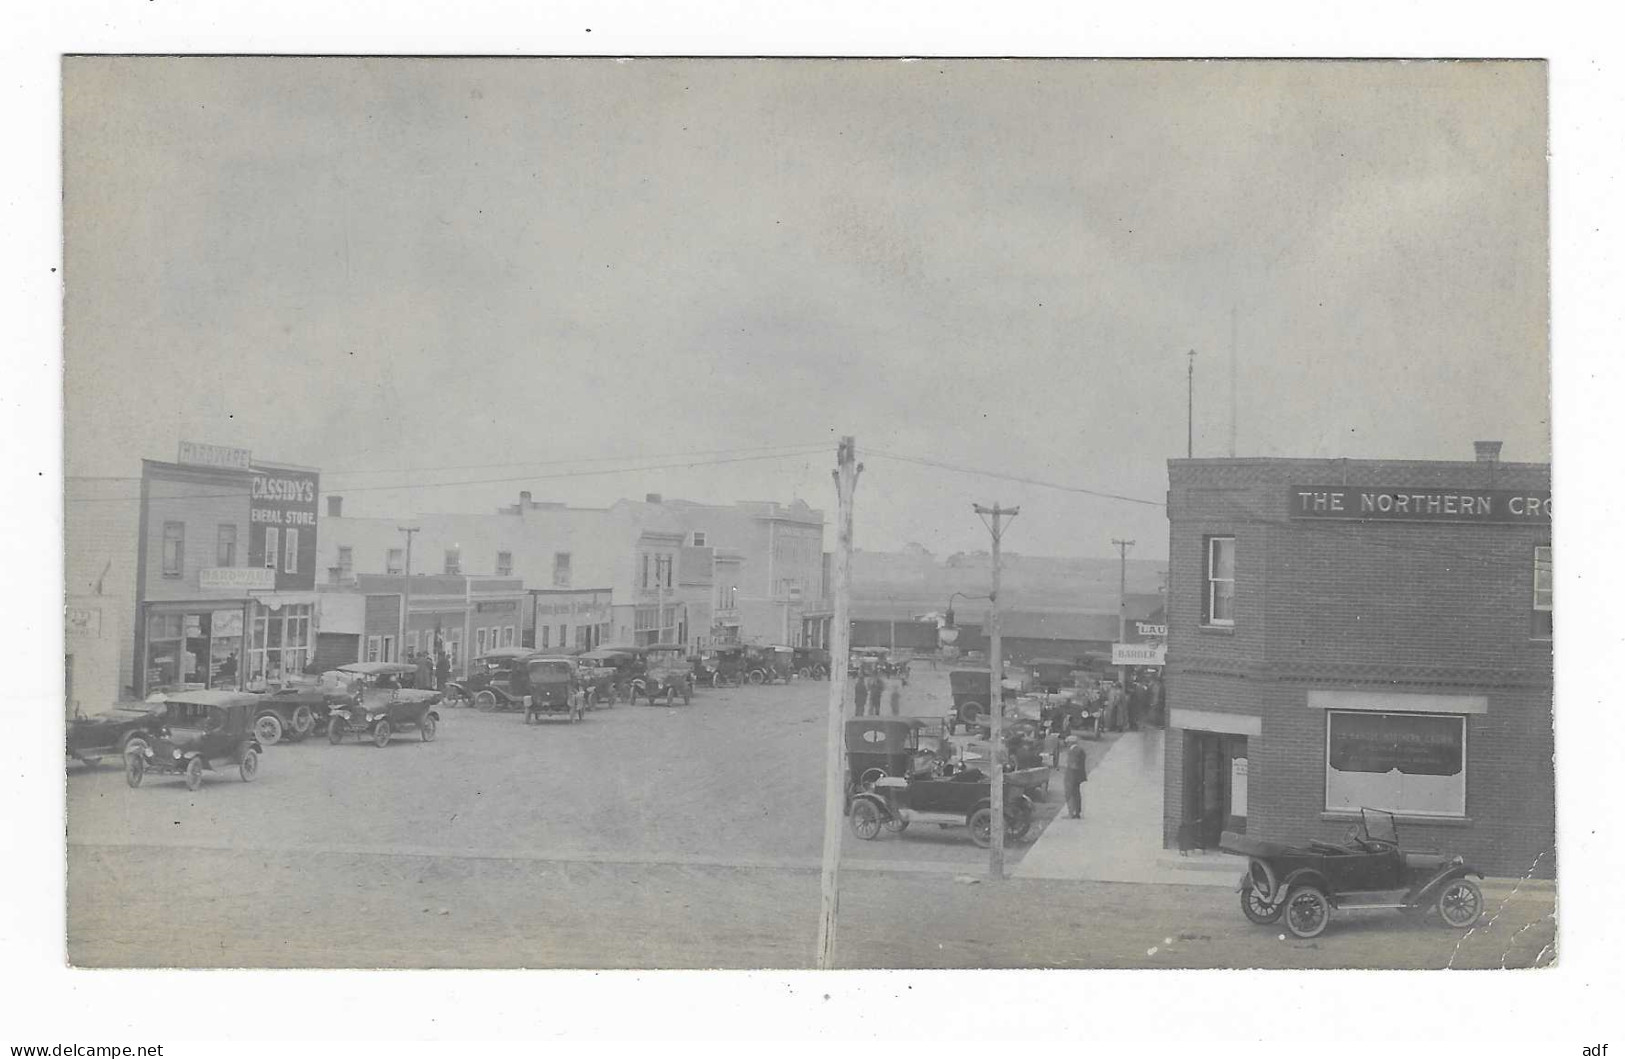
[1232, 381]
[995, 708]
[846, 484]
[1122, 611]
[406, 592]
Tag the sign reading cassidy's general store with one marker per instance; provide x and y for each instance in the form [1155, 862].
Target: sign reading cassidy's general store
[1363, 503]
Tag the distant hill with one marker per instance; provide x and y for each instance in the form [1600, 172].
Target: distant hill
[918, 581]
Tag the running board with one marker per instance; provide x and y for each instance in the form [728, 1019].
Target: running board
[1373, 899]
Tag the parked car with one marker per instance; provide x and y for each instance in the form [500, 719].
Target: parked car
[1368, 870]
[666, 672]
[971, 691]
[764, 665]
[293, 709]
[550, 689]
[811, 663]
[488, 682]
[385, 706]
[723, 666]
[199, 729]
[892, 783]
[625, 662]
[597, 682]
[1052, 675]
[91, 737]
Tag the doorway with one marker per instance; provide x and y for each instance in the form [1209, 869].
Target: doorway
[1215, 767]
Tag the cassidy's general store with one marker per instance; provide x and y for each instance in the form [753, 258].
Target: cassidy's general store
[1348, 633]
[225, 570]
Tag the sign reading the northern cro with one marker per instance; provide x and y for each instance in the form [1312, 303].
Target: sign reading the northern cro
[1364, 503]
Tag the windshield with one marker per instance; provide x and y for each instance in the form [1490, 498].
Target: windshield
[1379, 825]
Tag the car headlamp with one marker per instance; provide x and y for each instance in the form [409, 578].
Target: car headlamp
[177, 753]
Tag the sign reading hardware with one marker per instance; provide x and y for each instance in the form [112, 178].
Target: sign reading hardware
[257, 578]
[200, 455]
[1363, 503]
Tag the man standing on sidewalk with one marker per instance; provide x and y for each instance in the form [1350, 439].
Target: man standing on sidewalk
[1074, 777]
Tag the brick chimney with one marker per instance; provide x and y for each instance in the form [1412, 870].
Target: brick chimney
[335, 506]
[1487, 451]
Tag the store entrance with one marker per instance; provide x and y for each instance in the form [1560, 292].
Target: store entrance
[1215, 788]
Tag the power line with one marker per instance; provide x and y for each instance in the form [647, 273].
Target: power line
[1017, 478]
[407, 486]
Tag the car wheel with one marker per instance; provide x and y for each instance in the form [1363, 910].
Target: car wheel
[427, 727]
[1460, 903]
[865, 820]
[485, 701]
[134, 744]
[135, 767]
[1017, 824]
[249, 766]
[981, 827]
[194, 774]
[757, 677]
[1307, 911]
[380, 734]
[304, 721]
[804, 673]
[1257, 908]
[896, 825]
[820, 673]
[335, 731]
[268, 728]
[969, 712]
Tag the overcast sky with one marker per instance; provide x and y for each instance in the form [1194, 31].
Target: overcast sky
[520, 268]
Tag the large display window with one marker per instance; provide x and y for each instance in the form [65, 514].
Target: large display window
[280, 643]
[1407, 763]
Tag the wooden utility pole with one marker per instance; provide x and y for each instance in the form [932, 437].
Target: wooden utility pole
[846, 484]
[995, 708]
[1232, 381]
[406, 594]
[1190, 404]
[1122, 602]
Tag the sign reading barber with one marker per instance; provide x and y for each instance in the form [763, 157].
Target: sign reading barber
[282, 525]
[1364, 503]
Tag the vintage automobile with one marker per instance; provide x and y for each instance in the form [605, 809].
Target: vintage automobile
[1368, 870]
[199, 729]
[666, 672]
[1086, 713]
[91, 737]
[971, 690]
[764, 665]
[550, 689]
[892, 782]
[293, 709]
[488, 682]
[723, 666]
[811, 663]
[1052, 675]
[625, 663]
[383, 706]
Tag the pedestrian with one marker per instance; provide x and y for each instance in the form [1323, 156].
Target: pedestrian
[1159, 703]
[896, 700]
[1136, 705]
[443, 672]
[1116, 706]
[1075, 776]
[860, 696]
[877, 693]
[425, 670]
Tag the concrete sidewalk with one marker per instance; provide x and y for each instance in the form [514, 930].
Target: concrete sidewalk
[1119, 838]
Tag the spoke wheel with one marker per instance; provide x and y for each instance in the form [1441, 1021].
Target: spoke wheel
[268, 727]
[304, 721]
[249, 766]
[1307, 911]
[381, 734]
[865, 820]
[485, 701]
[194, 774]
[1257, 907]
[981, 827]
[758, 677]
[135, 767]
[1460, 903]
[1018, 823]
[427, 728]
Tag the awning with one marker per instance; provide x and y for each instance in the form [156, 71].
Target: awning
[278, 600]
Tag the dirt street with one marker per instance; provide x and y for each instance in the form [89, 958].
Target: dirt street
[642, 837]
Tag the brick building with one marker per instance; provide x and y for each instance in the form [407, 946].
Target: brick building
[1362, 632]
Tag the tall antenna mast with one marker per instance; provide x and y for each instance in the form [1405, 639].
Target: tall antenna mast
[1232, 381]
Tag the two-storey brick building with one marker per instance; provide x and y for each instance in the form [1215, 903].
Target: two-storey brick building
[1348, 633]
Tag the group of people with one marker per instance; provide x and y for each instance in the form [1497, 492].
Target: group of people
[433, 669]
[869, 693]
[1127, 708]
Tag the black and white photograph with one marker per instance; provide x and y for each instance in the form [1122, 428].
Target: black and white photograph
[451, 532]
[605, 534]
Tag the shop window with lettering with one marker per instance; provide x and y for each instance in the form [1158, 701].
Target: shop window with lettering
[454, 561]
[225, 545]
[272, 541]
[504, 564]
[1219, 604]
[395, 561]
[1541, 627]
[1413, 763]
[174, 548]
[290, 552]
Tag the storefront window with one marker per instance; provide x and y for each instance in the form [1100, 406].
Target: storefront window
[1411, 763]
[279, 643]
